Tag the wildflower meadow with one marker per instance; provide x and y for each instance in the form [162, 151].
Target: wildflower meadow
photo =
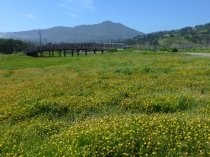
[125, 103]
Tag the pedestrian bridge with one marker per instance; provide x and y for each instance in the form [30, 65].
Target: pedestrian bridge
[72, 48]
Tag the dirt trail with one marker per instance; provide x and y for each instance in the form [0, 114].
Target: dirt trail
[199, 54]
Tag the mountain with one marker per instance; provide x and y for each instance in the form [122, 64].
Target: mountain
[101, 32]
[185, 38]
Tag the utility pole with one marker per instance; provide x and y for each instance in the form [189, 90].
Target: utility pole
[40, 37]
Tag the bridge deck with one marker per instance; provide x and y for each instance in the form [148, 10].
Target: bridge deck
[74, 47]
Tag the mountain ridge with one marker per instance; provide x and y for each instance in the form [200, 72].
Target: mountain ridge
[101, 32]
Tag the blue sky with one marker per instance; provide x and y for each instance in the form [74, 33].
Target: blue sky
[142, 15]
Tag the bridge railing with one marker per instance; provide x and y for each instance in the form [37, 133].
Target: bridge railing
[33, 51]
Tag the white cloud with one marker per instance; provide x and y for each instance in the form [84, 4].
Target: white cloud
[74, 8]
[29, 15]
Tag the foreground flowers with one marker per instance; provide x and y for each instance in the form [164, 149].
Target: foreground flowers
[125, 104]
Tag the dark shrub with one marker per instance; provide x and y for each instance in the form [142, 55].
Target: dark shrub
[174, 49]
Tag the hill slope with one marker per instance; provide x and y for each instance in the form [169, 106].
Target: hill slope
[185, 38]
[104, 31]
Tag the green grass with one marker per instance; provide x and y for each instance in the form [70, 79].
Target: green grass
[116, 104]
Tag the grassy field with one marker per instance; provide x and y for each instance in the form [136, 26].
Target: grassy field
[117, 104]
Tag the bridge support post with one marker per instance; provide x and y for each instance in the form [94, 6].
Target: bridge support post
[85, 52]
[102, 51]
[64, 52]
[72, 53]
[94, 51]
[78, 52]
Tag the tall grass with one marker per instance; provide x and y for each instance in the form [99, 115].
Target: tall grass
[116, 104]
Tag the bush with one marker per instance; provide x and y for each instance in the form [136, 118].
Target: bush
[174, 49]
[112, 50]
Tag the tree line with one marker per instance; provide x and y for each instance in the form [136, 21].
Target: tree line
[10, 46]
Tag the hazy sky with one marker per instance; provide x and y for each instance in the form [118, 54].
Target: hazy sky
[143, 15]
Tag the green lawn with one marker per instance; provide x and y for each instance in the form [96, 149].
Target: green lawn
[130, 103]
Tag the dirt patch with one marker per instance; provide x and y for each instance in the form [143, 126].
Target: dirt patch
[200, 54]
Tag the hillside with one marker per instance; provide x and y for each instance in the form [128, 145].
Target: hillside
[185, 38]
[104, 31]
